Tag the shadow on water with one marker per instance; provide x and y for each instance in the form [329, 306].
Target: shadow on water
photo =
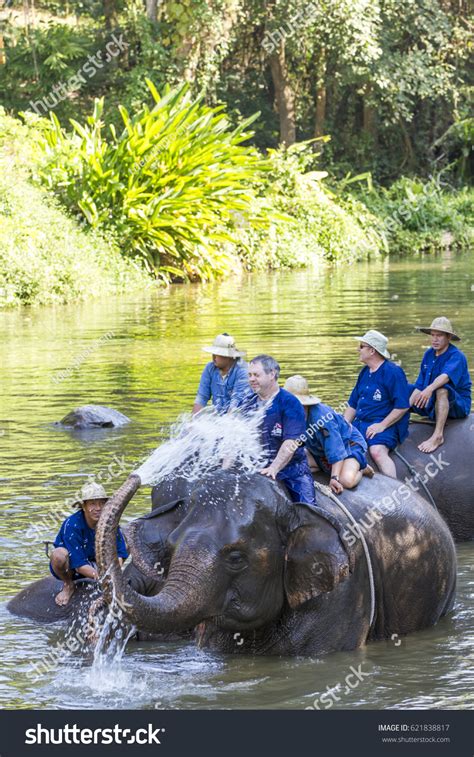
[149, 370]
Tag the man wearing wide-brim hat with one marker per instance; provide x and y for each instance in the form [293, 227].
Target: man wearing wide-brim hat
[379, 403]
[73, 556]
[443, 387]
[225, 379]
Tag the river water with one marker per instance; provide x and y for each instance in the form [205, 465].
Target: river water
[141, 355]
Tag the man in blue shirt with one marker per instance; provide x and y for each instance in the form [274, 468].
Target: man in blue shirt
[443, 387]
[74, 554]
[283, 427]
[380, 400]
[335, 446]
[225, 379]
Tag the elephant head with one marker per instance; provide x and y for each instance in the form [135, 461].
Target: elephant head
[234, 550]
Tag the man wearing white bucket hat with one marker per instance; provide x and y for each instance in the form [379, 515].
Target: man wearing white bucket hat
[225, 379]
[73, 556]
[379, 403]
[443, 387]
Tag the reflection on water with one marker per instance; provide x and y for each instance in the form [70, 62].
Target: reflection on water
[147, 365]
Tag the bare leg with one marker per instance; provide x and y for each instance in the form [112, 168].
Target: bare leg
[384, 462]
[350, 474]
[441, 415]
[60, 565]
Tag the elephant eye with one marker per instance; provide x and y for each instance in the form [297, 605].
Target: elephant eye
[236, 560]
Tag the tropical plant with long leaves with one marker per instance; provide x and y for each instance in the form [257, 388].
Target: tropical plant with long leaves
[173, 185]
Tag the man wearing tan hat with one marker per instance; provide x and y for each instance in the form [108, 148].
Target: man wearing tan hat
[443, 387]
[225, 379]
[380, 400]
[334, 445]
[73, 556]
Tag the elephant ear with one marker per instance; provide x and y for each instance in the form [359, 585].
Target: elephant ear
[316, 557]
[146, 538]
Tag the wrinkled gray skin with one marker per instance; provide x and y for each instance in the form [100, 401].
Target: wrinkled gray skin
[36, 601]
[235, 559]
[451, 487]
[94, 416]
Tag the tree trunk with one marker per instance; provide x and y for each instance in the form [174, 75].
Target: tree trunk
[321, 95]
[152, 10]
[110, 13]
[284, 96]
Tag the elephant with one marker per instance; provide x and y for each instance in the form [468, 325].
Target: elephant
[232, 557]
[94, 416]
[443, 476]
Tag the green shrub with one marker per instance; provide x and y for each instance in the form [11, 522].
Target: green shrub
[168, 186]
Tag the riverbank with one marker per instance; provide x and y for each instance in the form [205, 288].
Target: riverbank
[52, 249]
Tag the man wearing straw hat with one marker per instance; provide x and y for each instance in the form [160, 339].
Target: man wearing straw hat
[73, 556]
[335, 446]
[225, 379]
[443, 387]
[379, 403]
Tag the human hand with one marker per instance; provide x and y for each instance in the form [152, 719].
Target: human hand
[423, 397]
[374, 429]
[270, 472]
[336, 486]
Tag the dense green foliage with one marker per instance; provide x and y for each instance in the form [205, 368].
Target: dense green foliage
[45, 257]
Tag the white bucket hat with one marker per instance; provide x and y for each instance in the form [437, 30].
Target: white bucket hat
[91, 490]
[376, 340]
[440, 324]
[224, 345]
[298, 386]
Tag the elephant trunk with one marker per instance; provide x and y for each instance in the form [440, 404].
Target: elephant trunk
[179, 604]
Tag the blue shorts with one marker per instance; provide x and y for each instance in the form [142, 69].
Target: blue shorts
[389, 438]
[358, 453]
[299, 482]
[75, 575]
[457, 404]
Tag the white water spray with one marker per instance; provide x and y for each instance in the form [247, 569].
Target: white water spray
[205, 442]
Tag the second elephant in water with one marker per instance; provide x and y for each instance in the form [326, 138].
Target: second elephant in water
[233, 558]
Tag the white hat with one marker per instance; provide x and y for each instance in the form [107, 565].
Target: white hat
[224, 345]
[376, 340]
[440, 324]
[298, 386]
[91, 490]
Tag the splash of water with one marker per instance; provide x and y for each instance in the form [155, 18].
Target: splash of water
[205, 442]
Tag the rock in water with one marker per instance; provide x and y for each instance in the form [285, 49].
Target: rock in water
[94, 416]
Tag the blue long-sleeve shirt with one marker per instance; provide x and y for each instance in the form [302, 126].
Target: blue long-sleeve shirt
[453, 362]
[329, 436]
[226, 391]
[79, 540]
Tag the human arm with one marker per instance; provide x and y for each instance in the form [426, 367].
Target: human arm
[88, 571]
[334, 483]
[285, 453]
[421, 397]
[349, 413]
[389, 420]
[204, 392]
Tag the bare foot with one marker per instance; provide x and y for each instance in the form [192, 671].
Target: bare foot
[65, 594]
[369, 472]
[432, 443]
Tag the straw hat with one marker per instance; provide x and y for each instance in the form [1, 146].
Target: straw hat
[91, 490]
[224, 345]
[376, 340]
[440, 324]
[298, 386]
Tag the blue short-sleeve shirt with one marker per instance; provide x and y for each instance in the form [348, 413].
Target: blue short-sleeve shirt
[225, 392]
[329, 436]
[284, 419]
[79, 540]
[376, 394]
[453, 362]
